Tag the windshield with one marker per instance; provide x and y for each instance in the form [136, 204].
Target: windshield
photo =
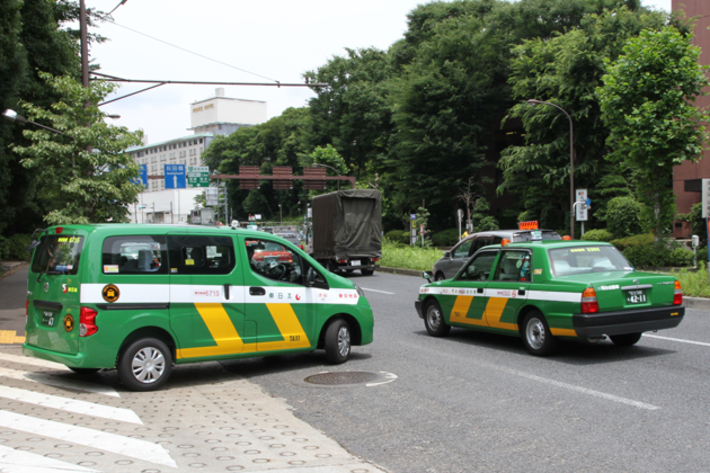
[586, 259]
[58, 254]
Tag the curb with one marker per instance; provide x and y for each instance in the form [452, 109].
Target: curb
[10, 267]
[699, 303]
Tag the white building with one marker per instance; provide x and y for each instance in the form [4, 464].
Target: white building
[219, 115]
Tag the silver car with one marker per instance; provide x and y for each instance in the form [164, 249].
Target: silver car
[449, 265]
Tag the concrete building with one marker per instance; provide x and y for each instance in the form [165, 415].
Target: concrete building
[219, 115]
[687, 177]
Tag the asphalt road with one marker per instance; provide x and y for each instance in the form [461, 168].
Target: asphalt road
[480, 402]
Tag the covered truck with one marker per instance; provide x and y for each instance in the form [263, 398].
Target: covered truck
[347, 230]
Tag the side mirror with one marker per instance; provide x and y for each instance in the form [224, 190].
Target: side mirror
[427, 275]
[447, 254]
[310, 277]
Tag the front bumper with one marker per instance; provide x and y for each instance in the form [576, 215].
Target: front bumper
[627, 321]
[419, 305]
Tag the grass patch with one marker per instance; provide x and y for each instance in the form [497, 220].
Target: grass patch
[397, 255]
[694, 283]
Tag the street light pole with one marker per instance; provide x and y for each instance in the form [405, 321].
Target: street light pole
[281, 215]
[571, 161]
[14, 116]
[319, 165]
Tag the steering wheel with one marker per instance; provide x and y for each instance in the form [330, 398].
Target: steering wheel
[277, 271]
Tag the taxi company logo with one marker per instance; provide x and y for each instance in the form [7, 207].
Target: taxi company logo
[68, 323]
[507, 293]
[609, 288]
[110, 293]
[64, 288]
[298, 297]
[46, 287]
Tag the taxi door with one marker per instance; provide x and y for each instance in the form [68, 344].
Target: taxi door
[463, 300]
[507, 291]
[206, 295]
[280, 311]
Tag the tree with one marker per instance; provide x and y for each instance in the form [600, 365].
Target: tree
[84, 174]
[647, 102]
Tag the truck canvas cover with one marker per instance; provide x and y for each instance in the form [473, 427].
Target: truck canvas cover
[347, 223]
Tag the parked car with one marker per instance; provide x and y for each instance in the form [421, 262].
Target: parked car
[451, 262]
[545, 290]
[292, 238]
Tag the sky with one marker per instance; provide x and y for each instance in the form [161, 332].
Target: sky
[245, 41]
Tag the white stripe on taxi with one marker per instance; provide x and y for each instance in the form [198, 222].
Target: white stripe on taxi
[552, 296]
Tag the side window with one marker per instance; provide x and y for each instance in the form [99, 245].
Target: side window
[514, 265]
[480, 243]
[462, 251]
[139, 254]
[275, 261]
[201, 254]
[479, 268]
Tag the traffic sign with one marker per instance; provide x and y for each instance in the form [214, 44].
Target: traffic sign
[144, 174]
[174, 176]
[582, 205]
[211, 196]
[198, 176]
[706, 199]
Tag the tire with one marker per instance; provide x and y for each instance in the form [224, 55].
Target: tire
[337, 342]
[439, 276]
[434, 320]
[367, 272]
[625, 340]
[145, 365]
[85, 371]
[536, 334]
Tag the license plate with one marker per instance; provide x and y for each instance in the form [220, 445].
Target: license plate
[48, 318]
[635, 297]
[355, 263]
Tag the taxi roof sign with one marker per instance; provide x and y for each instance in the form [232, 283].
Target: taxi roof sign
[529, 225]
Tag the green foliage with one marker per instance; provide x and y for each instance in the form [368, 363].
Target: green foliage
[680, 257]
[623, 216]
[697, 223]
[397, 236]
[448, 237]
[694, 283]
[598, 235]
[85, 173]
[396, 255]
[648, 107]
[634, 240]
[16, 248]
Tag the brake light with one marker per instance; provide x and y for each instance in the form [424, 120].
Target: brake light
[678, 296]
[87, 322]
[27, 307]
[589, 301]
[58, 230]
[375, 259]
[342, 261]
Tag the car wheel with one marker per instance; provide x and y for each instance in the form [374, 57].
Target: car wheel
[434, 320]
[439, 276]
[536, 334]
[145, 365]
[337, 342]
[367, 272]
[625, 340]
[85, 371]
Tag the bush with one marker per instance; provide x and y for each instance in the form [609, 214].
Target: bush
[645, 239]
[4, 248]
[397, 236]
[598, 235]
[645, 256]
[680, 257]
[16, 248]
[623, 216]
[447, 237]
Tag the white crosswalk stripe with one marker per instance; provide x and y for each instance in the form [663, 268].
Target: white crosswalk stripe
[27, 360]
[59, 381]
[18, 461]
[70, 405]
[130, 447]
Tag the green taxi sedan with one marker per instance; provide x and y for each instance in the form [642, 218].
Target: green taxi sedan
[546, 290]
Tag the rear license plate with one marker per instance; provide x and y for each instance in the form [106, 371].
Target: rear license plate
[48, 318]
[355, 263]
[635, 297]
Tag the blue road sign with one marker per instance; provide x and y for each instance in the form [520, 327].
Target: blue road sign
[175, 176]
[144, 174]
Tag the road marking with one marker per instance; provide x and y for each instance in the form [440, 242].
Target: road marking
[70, 405]
[61, 382]
[702, 344]
[18, 461]
[376, 290]
[10, 337]
[134, 448]
[591, 392]
[28, 360]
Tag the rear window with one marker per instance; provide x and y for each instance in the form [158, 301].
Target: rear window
[138, 254]
[58, 254]
[586, 259]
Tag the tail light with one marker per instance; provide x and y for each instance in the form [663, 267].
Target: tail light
[342, 261]
[374, 260]
[678, 296]
[87, 322]
[27, 307]
[589, 301]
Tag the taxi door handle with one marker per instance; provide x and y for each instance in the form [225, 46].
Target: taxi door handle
[226, 291]
[521, 291]
[479, 290]
[257, 291]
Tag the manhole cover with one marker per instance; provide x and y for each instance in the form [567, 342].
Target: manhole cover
[347, 378]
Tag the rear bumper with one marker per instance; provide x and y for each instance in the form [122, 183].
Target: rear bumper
[627, 321]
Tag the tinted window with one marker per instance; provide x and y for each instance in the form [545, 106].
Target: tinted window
[138, 254]
[58, 254]
[462, 251]
[201, 254]
[514, 265]
[479, 268]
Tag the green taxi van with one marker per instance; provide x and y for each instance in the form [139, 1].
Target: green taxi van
[547, 290]
[140, 298]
